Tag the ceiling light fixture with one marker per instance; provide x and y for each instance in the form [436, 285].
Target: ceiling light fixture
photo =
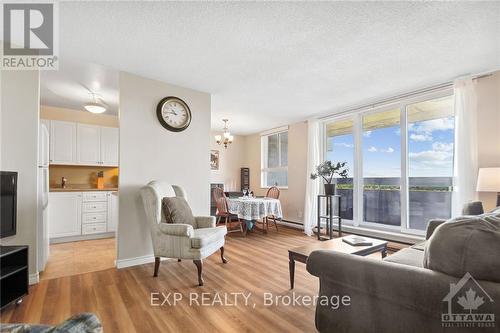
[226, 138]
[96, 106]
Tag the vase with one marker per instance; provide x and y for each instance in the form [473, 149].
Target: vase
[329, 189]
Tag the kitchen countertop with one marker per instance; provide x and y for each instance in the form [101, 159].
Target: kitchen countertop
[82, 189]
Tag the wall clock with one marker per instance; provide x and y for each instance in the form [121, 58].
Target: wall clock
[173, 114]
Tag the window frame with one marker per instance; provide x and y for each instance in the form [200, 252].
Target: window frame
[358, 184]
[264, 169]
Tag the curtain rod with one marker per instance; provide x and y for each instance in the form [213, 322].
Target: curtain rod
[394, 99]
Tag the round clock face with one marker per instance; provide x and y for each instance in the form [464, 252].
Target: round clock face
[174, 114]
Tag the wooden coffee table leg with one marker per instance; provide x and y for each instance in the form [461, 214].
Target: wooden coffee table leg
[291, 266]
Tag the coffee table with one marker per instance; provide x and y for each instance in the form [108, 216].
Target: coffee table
[301, 253]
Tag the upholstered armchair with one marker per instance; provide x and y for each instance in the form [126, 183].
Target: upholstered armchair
[181, 241]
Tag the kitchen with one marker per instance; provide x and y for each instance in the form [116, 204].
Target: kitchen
[78, 170]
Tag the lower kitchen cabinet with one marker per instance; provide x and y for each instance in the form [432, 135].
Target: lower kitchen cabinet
[65, 214]
[112, 211]
[82, 214]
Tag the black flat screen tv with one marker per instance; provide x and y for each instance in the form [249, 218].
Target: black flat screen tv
[8, 203]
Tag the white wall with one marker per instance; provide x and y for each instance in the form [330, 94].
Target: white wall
[20, 101]
[231, 160]
[292, 199]
[148, 152]
[488, 93]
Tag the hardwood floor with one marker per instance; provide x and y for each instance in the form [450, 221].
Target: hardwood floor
[75, 258]
[257, 264]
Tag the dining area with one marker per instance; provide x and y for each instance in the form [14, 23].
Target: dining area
[243, 212]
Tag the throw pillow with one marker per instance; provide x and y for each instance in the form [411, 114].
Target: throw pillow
[177, 210]
[466, 244]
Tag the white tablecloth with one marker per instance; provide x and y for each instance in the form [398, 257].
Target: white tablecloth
[254, 208]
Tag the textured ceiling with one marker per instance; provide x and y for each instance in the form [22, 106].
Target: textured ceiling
[269, 64]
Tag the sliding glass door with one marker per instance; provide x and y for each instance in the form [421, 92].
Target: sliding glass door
[400, 161]
[340, 148]
[381, 153]
[430, 160]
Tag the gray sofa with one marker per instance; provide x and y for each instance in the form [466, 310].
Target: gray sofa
[398, 294]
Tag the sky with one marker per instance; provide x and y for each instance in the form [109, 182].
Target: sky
[430, 148]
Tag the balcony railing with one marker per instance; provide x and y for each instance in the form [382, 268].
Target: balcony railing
[429, 198]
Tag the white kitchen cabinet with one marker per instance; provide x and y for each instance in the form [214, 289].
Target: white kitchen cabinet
[109, 146]
[82, 144]
[63, 149]
[65, 217]
[82, 214]
[89, 144]
[112, 211]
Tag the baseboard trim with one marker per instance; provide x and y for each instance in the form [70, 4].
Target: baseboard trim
[33, 278]
[81, 238]
[291, 224]
[124, 263]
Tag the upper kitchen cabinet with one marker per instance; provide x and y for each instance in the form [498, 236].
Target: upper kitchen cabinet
[109, 146]
[89, 144]
[63, 149]
[82, 144]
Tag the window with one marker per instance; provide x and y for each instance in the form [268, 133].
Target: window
[274, 160]
[340, 148]
[382, 167]
[431, 134]
[400, 161]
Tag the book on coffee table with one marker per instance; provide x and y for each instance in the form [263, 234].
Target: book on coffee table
[357, 241]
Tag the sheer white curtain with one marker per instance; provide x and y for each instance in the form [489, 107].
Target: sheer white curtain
[313, 186]
[466, 164]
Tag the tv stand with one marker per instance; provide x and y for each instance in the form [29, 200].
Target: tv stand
[13, 274]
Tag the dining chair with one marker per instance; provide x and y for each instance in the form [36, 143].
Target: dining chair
[223, 211]
[274, 193]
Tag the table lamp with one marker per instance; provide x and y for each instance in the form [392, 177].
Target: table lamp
[488, 180]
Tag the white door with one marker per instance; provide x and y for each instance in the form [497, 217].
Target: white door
[65, 218]
[62, 142]
[89, 144]
[109, 146]
[112, 211]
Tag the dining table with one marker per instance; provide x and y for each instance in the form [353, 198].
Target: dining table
[251, 209]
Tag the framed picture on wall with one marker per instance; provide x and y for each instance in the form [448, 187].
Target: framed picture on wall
[214, 160]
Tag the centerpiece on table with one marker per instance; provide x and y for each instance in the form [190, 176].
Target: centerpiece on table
[327, 170]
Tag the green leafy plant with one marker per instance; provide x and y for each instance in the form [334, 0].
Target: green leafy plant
[327, 170]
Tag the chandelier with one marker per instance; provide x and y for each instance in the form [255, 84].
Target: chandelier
[226, 138]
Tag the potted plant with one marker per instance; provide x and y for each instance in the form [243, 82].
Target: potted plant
[327, 170]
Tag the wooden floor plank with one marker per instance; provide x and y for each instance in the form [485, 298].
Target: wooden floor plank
[258, 264]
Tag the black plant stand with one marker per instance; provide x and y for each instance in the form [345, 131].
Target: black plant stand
[330, 216]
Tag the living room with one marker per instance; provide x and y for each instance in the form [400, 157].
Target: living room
[298, 167]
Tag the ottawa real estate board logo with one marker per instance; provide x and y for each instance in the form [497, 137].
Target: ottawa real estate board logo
[30, 36]
[467, 304]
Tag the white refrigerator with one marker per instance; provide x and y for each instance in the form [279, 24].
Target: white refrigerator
[43, 196]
